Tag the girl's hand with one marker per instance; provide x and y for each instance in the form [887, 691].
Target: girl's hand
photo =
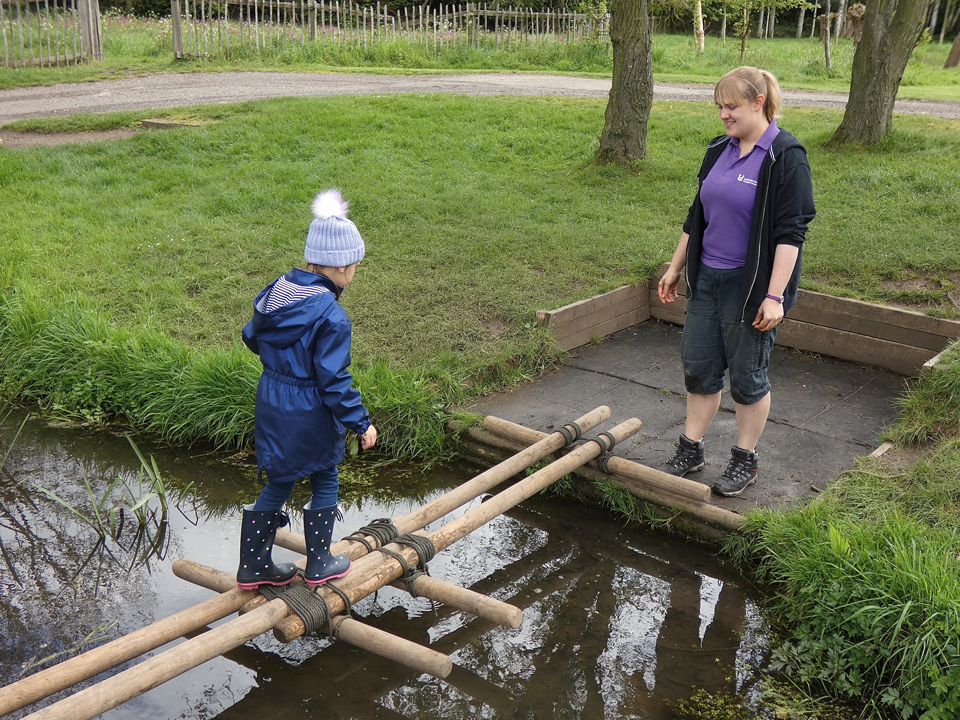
[369, 438]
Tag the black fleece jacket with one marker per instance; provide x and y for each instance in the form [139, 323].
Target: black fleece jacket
[783, 209]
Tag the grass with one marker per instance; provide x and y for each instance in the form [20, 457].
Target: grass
[865, 584]
[135, 262]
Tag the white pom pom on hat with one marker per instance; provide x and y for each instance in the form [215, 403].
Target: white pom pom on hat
[329, 203]
[332, 240]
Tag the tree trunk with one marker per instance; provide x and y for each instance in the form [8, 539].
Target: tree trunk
[723, 27]
[949, 17]
[813, 25]
[803, 11]
[624, 137]
[841, 18]
[933, 16]
[826, 36]
[744, 32]
[890, 32]
[698, 25]
[953, 59]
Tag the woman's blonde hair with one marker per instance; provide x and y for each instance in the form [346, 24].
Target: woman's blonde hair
[748, 83]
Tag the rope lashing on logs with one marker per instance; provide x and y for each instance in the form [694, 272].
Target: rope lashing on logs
[420, 543]
[572, 432]
[425, 551]
[382, 530]
[307, 604]
[606, 441]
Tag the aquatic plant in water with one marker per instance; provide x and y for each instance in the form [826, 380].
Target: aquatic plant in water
[107, 515]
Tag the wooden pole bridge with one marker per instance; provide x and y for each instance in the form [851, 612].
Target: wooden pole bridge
[378, 560]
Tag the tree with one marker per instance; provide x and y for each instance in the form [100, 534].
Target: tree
[953, 59]
[890, 32]
[624, 137]
[698, 25]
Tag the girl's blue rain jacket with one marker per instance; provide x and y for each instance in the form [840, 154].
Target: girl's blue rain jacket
[305, 397]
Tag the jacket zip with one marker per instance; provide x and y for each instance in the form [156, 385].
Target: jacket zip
[763, 211]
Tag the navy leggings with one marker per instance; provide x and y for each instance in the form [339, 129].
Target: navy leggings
[324, 483]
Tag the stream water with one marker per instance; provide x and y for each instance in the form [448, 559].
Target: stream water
[618, 622]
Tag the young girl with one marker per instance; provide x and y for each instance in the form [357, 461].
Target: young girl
[305, 399]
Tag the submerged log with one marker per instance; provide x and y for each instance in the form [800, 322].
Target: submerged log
[93, 662]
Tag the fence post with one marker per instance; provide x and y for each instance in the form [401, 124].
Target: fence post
[313, 21]
[90, 38]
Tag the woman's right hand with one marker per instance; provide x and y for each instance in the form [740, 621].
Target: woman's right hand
[667, 289]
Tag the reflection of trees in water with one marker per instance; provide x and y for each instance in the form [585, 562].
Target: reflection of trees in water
[62, 585]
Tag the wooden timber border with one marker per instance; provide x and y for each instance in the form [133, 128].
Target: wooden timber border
[903, 341]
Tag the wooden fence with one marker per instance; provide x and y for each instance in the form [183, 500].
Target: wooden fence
[203, 28]
[49, 32]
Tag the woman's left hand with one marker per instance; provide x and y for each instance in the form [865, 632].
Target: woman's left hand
[769, 316]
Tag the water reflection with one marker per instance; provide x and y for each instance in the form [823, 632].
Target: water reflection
[617, 623]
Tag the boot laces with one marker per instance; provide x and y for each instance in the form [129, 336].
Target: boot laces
[739, 469]
[683, 457]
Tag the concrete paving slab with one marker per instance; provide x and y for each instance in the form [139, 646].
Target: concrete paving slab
[826, 412]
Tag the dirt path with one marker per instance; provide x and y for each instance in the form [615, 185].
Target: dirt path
[178, 89]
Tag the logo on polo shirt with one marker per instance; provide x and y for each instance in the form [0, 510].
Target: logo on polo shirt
[744, 179]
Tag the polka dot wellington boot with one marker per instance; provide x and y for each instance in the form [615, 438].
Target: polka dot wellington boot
[257, 532]
[317, 531]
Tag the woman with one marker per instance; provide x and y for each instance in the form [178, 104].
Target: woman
[740, 252]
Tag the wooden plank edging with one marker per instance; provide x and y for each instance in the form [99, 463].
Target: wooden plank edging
[904, 341]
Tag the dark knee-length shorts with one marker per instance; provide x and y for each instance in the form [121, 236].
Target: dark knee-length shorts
[716, 340]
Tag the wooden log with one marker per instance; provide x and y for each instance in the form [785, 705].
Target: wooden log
[373, 571]
[376, 641]
[658, 496]
[432, 588]
[462, 494]
[398, 649]
[118, 689]
[116, 652]
[93, 662]
[652, 477]
[469, 601]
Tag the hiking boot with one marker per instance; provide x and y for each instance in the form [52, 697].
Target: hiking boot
[741, 473]
[687, 458]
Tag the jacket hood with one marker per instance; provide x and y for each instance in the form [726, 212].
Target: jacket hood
[287, 324]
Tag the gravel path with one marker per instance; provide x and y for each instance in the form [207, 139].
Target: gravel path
[176, 89]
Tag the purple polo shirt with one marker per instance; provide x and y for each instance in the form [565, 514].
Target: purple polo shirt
[728, 195]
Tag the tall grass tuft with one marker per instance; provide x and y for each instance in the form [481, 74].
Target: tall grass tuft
[66, 357]
[866, 587]
[930, 409]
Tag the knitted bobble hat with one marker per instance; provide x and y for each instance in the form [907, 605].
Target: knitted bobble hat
[332, 240]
